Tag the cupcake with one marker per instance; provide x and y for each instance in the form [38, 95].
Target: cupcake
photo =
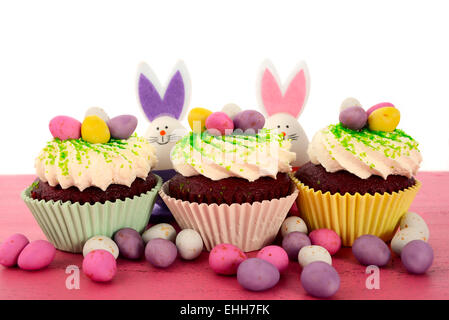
[231, 188]
[93, 179]
[360, 178]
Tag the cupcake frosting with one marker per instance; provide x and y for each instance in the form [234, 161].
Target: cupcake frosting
[366, 152]
[238, 155]
[78, 163]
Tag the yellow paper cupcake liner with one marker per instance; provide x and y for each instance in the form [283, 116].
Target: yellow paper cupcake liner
[69, 225]
[354, 215]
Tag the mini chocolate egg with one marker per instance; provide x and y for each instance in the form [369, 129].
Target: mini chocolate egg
[95, 130]
[11, 248]
[353, 118]
[197, 119]
[249, 120]
[309, 254]
[293, 223]
[384, 119]
[219, 121]
[327, 239]
[320, 279]
[100, 265]
[293, 243]
[36, 255]
[349, 102]
[414, 220]
[404, 236]
[97, 111]
[161, 230]
[371, 250]
[257, 274]
[274, 255]
[64, 128]
[378, 106]
[161, 253]
[189, 244]
[417, 256]
[129, 243]
[122, 127]
[231, 109]
[101, 243]
[225, 258]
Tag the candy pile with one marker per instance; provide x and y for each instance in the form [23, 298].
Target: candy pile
[97, 127]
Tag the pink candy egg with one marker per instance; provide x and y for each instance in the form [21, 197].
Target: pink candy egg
[11, 248]
[327, 239]
[100, 265]
[221, 122]
[36, 255]
[275, 255]
[225, 259]
[63, 127]
[378, 106]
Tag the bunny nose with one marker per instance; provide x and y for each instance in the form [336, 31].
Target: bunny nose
[162, 132]
[283, 133]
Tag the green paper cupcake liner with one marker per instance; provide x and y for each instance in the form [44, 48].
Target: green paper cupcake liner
[69, 225]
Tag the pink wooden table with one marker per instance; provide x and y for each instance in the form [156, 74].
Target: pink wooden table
[195, 280]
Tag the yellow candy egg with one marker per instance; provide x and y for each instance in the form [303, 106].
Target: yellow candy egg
[197, 119]
[95, 130]
[384, 119]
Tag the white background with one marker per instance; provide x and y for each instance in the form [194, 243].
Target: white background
[60, 57]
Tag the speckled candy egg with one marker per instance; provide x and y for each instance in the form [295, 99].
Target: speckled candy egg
[129, 243]
[64, 128]
[320, 279]
[11, 248]
[219, 123]
[353, 118]
[378, 106]
[100, 265]
[95, 130]
[309, 254]
[327, 239]
[384, 119]
[97, 111]
[161, 230]
[257, 274]
[417, 256]
[122, 127]
[161, 253]
[349, 102]
[414, 220]
[36, 255]
[197, 119]
[371, 250]
[101, 243]
[294, 242]
[274, 255]
[225, 258]
[404, 236]
[189, 244]
[293, 223]
[231, 109]
[249, 119]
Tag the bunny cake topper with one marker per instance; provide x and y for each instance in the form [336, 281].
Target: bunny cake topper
[164, 107]
[283, 104]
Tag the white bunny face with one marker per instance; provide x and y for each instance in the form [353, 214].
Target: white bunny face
[164, 130]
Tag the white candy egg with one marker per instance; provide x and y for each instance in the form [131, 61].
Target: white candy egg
[293, 223]
[309, 254]
[231, 109]
[189, 244]
[161, 230]
[414, 220]
[349, 102]
[101, 243]
[404, 236]
[97, 111]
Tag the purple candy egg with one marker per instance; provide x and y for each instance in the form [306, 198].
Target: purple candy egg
[417, 256]
[320, 279]
[130, 243]
[257, 275]
[293, 242]
[371, 250]
[160, 253]
[249, 119]
[122, 127]
[353, 118]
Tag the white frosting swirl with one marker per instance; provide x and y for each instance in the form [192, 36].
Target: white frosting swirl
[243, 156]
[82, 164]
[365, 153]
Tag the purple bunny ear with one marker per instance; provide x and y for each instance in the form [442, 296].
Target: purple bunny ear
[154, 101]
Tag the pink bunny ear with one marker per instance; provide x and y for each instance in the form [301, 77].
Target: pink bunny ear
[275, 100]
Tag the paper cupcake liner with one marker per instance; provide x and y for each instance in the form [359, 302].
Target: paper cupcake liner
[69, 225]
[249, 226]
[354, 215]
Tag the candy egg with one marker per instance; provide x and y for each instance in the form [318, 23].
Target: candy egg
[161, 230]
[189, 244]
[231, 109]
[378, 106]
[160, 253]
[293, 243]
[327, 239]
[414, 220]
[129, 243]
[274, 255]
[320, 279]
[371, 250]
[95, 130]
[11, 248]
[197, 119]
[257, 275]
[36, 255]
[293, 223]
[97, 111]
[219, 121]
[353, 118]
[417, 256]
[249, 119]
[122, 127]
[404, 236]
[64, 128]
[384, 119]
[349, 102]
[101, 242]
[99, 265]
[309, 254]
[225, 258]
